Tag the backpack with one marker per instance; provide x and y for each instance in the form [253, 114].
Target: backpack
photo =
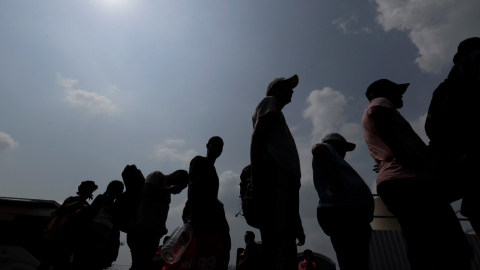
[452, 112]
[72, 225]
[59, 222]
[124, 208]
[251, 207]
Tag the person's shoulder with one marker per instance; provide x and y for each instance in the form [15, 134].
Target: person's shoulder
[379, 105]
[197, 160]
[268, 101]
[380, 101]
[71, 199]
[321, 147]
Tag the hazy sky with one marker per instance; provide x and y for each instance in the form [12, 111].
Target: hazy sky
[87, 87]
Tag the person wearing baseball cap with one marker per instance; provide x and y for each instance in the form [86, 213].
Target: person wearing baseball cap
[406, 185]
[275, 178]
[346, 204]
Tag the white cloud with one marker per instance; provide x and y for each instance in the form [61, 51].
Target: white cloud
[327, 115]
[418, 126]
[434, 26]
[167, 151]
[326, 111]
[94, 102]
[229, 186]
[7, 142]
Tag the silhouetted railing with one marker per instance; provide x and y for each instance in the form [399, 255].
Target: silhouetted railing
[376, 195]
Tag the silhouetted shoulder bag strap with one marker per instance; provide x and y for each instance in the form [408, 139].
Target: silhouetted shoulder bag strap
[52, 226]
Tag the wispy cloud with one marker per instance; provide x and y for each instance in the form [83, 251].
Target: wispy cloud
[91, 101]
[168, 151]
[345, 22]
[7, 142]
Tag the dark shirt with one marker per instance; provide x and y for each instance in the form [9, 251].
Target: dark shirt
[203, 205]
[252, 249]
[204, 182]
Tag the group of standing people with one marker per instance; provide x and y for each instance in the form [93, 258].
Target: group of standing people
[416, 182]
[409, 181]
[141, 212]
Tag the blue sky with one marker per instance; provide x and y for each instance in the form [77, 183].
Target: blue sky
[87, 87]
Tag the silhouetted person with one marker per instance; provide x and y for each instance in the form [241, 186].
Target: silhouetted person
[346, 203]
[151, 214]
[250, 258]
[452, 124]
[203, 206]
[58, 252]
[434, 237]
[91, 247]
[307, 263]
[276, 176]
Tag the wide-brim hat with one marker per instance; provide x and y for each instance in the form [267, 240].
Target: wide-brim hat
[466, 47]
[339, 138]
[291, 81]
[383, 85]
[88, 183]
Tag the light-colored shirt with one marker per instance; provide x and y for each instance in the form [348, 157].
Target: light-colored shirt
[356, 191]
[388, 166]
[279, 145]
[152, 210]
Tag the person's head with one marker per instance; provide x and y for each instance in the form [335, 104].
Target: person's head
[115, 188]
[466, 47]
[308, 255]
[389, 90]
[86, 188]
[282, 88]
[166, 239]
[178, 178]
[339, 143]
[214, 147]
[249, 236]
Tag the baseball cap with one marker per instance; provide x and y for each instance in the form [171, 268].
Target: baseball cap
[385, 85]
[466, 47]
[292, 81]
[339, 138]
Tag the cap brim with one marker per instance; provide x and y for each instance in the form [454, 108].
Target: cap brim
[292, 81]
[402, 88]
[350, 146]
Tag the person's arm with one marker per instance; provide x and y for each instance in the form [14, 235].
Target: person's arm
[259, 135]
[149, 188]
[382, 121]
